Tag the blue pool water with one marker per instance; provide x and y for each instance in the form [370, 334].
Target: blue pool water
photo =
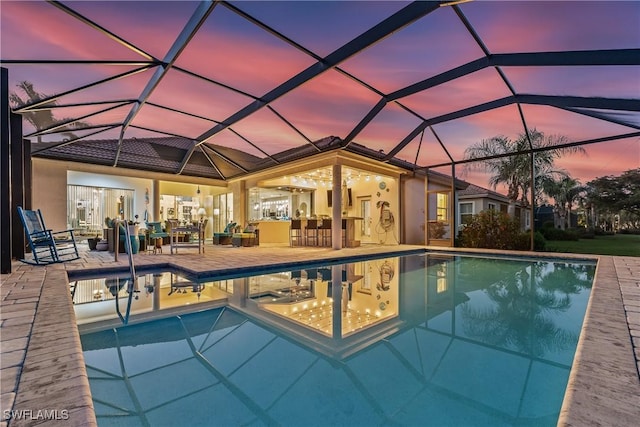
[419, 340]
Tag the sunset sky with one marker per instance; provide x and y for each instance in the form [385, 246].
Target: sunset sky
[234, 52]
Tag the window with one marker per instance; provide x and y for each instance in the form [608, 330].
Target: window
[182, 208]
[491, 206]
[222, 211]
[466, 212]
[442, 207]
[438, 215]
[88, 207]
[527, 219]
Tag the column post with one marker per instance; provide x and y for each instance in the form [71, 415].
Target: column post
[156, 200]
[336, 212]
[18, 160]
[5, 175]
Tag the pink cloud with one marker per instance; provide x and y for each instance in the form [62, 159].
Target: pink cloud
[65, 37]
[561, 25]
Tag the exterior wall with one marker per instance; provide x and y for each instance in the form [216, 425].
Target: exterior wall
[51, 177]
[239, 202]
[49, 192]
[413, 210]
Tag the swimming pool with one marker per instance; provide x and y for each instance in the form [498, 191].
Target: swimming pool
[432, 339]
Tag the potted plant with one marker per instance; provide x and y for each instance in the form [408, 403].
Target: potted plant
[134, 226]
[93, 242]
[102, 245]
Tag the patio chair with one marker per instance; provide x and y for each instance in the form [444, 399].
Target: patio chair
[155, 232]
[249, 237]
[225, 237]
[47, 246]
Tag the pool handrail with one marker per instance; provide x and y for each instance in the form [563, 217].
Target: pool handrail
[132, 269]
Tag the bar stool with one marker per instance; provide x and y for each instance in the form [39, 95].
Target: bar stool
[324, 233]
[295, 233]
[311, 232]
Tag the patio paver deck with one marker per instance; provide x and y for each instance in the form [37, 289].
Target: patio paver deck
[43, 378]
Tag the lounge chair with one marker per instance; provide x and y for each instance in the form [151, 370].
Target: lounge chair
[47, 246]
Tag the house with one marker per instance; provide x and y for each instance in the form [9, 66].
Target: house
[389, 202]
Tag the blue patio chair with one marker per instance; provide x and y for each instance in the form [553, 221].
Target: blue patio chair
[47, 246]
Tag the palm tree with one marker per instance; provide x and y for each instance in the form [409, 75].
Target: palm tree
[515, 171]
[565, 192]
[41, 118]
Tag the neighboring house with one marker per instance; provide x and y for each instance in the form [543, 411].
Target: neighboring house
[548, 213]
[475, 199]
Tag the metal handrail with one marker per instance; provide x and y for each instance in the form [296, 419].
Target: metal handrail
[132, 270]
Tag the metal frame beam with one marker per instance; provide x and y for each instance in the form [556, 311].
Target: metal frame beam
[400, 19]
[103, 128]
[571, 58]
[52, 128]
[197, 19]
[101, 29]
[554, 101]
[27, 107]
[537, 150]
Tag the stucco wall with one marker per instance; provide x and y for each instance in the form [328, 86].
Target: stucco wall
[49, 192]
[413, 215]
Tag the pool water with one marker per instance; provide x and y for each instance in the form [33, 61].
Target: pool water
[430, 339]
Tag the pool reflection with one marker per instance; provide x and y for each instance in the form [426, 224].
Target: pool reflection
[524, 306]
[470, 342]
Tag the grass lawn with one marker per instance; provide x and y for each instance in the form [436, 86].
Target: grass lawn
[619, 244]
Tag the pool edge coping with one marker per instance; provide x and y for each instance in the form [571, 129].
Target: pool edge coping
[604, 347]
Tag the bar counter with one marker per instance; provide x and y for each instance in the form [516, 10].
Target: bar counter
[273, 231]
[277, 231]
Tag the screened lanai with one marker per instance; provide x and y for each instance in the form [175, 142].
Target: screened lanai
[218, 89]
[415, 81]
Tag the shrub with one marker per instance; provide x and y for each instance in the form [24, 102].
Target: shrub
[586, 233]
[436, 230]
[548, 224]
[558, 234]
[494, 230]
[602, 232]
[539, 242]
[629, 231]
